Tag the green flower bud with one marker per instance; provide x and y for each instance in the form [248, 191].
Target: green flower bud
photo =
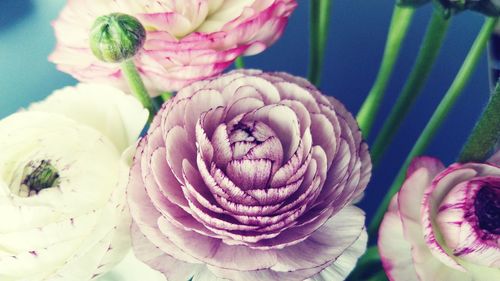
[116, 37]
[412, 3]
[487, 7]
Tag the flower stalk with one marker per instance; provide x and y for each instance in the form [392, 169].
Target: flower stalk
[438, 117]
[239, 63]
[320, 18]
[165, 96]
[116, 38]
[485, 134]
[400, 22]
[137, 86]
[426, 58]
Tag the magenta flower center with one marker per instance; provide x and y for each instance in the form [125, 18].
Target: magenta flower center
[487, 206]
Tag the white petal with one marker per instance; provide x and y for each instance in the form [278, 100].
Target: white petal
[116, 115]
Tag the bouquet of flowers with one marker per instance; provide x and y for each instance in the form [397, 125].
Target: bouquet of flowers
[161, 165]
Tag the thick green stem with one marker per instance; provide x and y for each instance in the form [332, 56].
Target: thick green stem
[426, 58]
[438, 117]
[239, 63]
[137, 86]
[401, 19]
[485, 134]
[320, 18]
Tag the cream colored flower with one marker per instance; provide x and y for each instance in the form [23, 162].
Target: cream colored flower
[63, 168]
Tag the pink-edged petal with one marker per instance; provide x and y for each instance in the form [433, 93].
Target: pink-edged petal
[215, 252]
[321, 130]
[264, 274]
[459, 226]
[289, 171]
[343, 265]
[249, 174]
[420, 174]
[174, 23]
[154, 257]
[270, 149]
[165, 179]
[268, 92]
[243, 105]
[284, 122]
[433, 194]
[268, 196]
[302, 113]
[310, 184]
[325, 245]
[292, 91]
[206, 275]
[178, 148]
[395, 251]
[403, 260]
[145, 215]
[221, 145]
[202, 101]
[195, 189]
[220, 185]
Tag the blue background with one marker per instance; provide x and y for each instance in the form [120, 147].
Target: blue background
[357, 36]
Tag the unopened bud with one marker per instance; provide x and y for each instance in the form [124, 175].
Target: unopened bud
[116, 37]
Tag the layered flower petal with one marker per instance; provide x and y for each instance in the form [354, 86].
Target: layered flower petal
[251, 175]
[443, 224]
[73, 225]
[186, 40]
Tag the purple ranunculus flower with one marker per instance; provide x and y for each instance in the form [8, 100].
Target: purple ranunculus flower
[250, 176]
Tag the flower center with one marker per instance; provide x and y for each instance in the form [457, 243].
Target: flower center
[255, 132]
[38, 176]
[487, 206]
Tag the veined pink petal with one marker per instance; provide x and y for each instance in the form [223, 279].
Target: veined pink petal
[395, 251]
[262, 170]
[441, 225]
[187, 41]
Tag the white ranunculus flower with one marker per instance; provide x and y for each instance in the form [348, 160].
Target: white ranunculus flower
[63, 166]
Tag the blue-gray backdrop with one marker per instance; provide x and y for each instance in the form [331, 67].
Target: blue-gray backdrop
[357, 35]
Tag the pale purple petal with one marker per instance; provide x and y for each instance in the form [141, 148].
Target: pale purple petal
[261, 172]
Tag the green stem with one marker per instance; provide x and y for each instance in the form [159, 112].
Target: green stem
[320, 18]
[426, 58]
[166, 96]
[485, 134]
[438, 117]
[239, 63]
[370, 256]
[401, 19]
[137, 86]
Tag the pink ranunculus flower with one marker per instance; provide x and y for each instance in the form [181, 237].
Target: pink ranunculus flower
[250, 176]
[444, 224]
[186, 41]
